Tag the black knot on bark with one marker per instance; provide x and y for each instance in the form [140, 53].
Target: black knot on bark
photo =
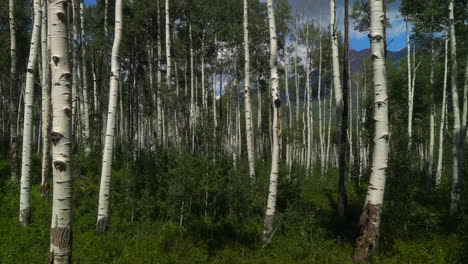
[60, 165]
[374, 56]
[67, 111]
[377, 37]
[55, 137]
[55, 59]
[277, 103]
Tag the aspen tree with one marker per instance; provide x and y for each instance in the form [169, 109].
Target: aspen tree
[168, 48]
[46, 111]
[371, 216]
[275, 160]
[288, 100]
[25, 206]
[104, 190]
[158, 78]
[13, 92]
[410, 88]
[308, 103]
[61, 136]
[84, 79]
[319, 99]
[457, 139]
[438, 176]
[75, 67]
[339, 107]
[247, 96]
[430, 155]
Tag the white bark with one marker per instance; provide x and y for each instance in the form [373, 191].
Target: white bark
[46, 111]
[308, 104]
[247, 96]
[158, 81]
[457, 140]
[25, 206]
[75, 68]
[410, 89]
[61, 136]
[430, 155]
[373, 205]
[168, 48]
[438, 176]
[85, 98]
[275, 159]
[104, 190]
[13, 93]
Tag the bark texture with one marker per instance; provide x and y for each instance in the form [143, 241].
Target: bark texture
[104, 190]
[25, 190]
[276, 103]
[61, 136]
[370, 219]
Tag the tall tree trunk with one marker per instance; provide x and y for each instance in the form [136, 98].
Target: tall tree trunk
[46, 111]
[410, 89]
[168, 48]
[84, 79]
[104, 190]
[319, 99]
[61, 136]
[192, 118]
[276, 103]
[106, 23]
[308, 103]
[25, 206]
[158, 81]
[438, 176]
[340, 108]
[13, 94]
[457, 140]
[430, 155]
[247, 96]
[371, 216]
[75, 68]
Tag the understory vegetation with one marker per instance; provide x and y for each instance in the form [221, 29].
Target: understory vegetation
[221, 212]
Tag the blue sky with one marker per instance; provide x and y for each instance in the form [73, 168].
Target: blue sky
[396, 35]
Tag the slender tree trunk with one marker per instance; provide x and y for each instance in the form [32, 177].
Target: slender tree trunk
[430, 157]
[340, 108]
[25, 206]
[371, 216]
[84, 77]
[319, 99]
[13, 94]
[61, 136]
[327, 153]
[438, 176]
[247, 96]
[168, 48]
[158, 79]
[106, 23]
[410, 89]
[192, 120]
[276, 102]
[296, 78]
[104, 190]
[457, 139]
[308, 104]
[75, 68]
[46, 111]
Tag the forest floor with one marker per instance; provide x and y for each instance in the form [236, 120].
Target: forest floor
[145, 225]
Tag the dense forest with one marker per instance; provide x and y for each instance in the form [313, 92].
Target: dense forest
[233, 131]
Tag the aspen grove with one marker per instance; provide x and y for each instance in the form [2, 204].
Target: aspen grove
[233, 131]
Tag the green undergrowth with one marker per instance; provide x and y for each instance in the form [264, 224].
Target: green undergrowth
[222, 214]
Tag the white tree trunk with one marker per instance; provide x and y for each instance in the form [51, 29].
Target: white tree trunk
[84, 77]
[168, 48]
[438, 176]
[25, 206]
[158, 81]
[275, 97]
[410, 89]
[371, 216]
[46, 111]
[430, 155]
[308, 104]
[104, 190]
[75, 68]
[457, 140]
[247, 96]
[13, 93]
[61, 136]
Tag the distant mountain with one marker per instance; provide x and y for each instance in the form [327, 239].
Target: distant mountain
[357, 57]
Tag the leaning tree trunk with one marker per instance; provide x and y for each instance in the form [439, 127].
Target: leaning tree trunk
[457, 140]
[25, 206]
[104, 190]
[13, 93]
[247, 96]
[275, 159]
[438, 176]
[339, 107]
[61, 137]
[45, 104]
[370, 218]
